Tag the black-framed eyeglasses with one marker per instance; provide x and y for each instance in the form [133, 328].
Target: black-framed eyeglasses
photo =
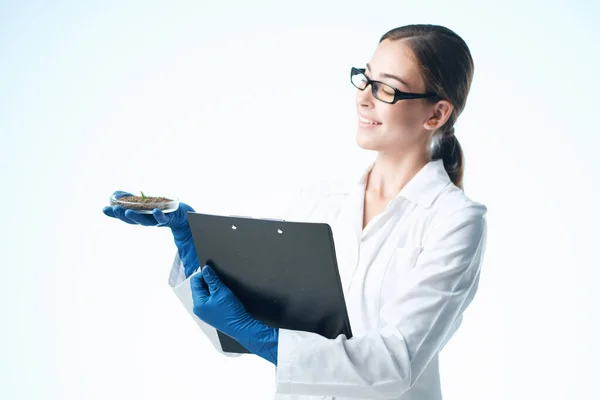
[383, 91]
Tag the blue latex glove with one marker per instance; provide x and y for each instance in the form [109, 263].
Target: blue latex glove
[215, 304]
[176, 220]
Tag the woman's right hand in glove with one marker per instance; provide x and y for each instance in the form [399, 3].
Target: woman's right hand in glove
[176, 220]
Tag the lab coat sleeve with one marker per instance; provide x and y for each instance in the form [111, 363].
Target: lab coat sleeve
[414, 325]
[182, 289]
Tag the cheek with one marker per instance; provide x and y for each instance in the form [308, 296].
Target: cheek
[405, 115]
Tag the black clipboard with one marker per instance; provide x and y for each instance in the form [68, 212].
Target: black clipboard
[285, 273]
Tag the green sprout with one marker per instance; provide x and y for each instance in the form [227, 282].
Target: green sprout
[143, 195]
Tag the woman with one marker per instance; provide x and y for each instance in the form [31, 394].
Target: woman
[409, 241]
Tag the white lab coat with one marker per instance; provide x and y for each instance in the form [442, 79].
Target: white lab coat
[407, 279]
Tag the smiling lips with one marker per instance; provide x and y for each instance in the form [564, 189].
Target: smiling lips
[365, 121]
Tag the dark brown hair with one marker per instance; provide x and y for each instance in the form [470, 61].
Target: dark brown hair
[447, 69]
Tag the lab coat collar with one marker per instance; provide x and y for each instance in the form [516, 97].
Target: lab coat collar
[424, 187]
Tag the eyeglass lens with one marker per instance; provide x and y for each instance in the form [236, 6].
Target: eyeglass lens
[381, 91]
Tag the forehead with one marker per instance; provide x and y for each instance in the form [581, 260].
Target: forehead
[395, 57]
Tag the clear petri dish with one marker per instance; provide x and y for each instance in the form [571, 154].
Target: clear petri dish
[146, 205]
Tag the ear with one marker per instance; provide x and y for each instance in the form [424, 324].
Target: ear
[440, 113]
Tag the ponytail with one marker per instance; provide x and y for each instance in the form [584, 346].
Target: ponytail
[450, 151]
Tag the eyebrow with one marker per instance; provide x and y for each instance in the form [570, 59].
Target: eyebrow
[386, 75]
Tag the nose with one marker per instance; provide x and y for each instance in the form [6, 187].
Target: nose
[364, 98]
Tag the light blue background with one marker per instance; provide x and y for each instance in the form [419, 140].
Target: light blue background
[234, 105]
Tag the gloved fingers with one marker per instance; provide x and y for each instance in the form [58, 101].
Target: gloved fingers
[119, 193]
[176, 219]
[108, 210]
[119, 212]
[139, 218]
[160, 217]
[200, 292]
[212, 279]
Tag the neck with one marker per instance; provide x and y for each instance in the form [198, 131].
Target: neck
[391, 173]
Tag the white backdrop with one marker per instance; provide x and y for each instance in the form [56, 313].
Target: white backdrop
[232, 106]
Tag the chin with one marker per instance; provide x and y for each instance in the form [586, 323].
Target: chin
[367, 142]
